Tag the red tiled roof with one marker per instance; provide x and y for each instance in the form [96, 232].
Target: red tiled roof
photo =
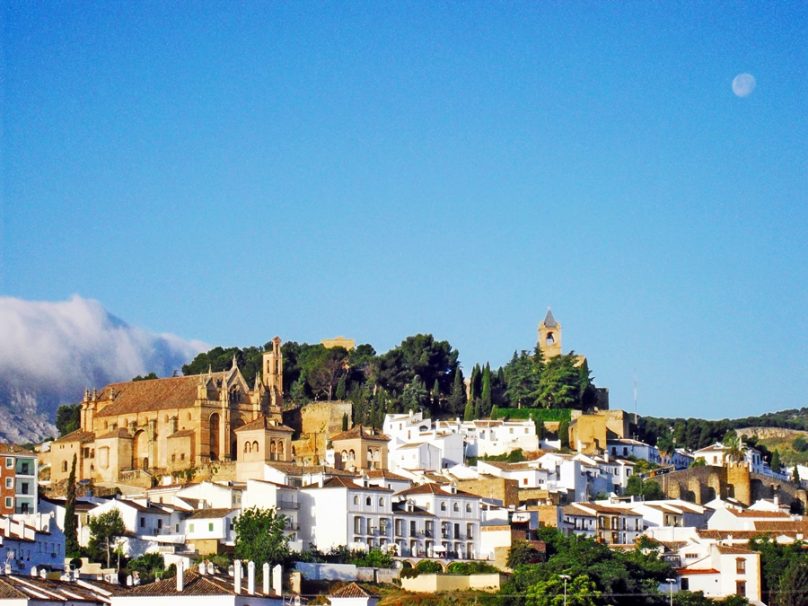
[351, 590]
[194, 584]
[77, 436]
[682, 572]
[431, 488]
[262, 422]
[153, 394]
[361, 432]
[750, 513]
[14, 449]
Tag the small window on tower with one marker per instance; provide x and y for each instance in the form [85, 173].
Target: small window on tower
[550, 338]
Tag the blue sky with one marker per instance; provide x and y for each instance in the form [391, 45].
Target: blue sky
[233, 171]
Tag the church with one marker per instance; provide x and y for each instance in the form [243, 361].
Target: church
[175, 424]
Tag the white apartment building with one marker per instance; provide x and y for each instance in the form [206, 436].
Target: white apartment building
[412, 428]
[633, 448]
[494, 437]
[602, 523]
[284, 499]
[526, 474]
[340, 512]
[567, 474]
[31, 540]
[457, 519]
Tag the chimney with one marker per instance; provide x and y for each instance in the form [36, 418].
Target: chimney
[34, 571]
[180, 578]
[251, 577]
[211, 568]
[202, 568]
[237, 572]
[265, 578]
[129, 580]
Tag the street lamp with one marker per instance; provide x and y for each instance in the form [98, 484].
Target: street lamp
[566, 578]
[670, 583]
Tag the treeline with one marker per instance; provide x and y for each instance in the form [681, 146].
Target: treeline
[420, 374]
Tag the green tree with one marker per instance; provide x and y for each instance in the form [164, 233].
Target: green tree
[149, 566]
[105, 528]
[457, 399]
[775, 462]
[420, 355]
[72, 548]
[261, 536]
[794, 584]
[580, 591]
[522, 552]
[559, 386]
[795, 475]
[485, 391]
[342, 388]
[345, 421]
[147, 377]
[564, 433]
[415, 395]
[68, 418]
[522, 378]
[468, 412]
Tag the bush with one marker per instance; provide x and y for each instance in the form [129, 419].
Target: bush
[467, 568]
[428, 567]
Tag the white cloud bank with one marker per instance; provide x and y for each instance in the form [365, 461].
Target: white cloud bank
[51, 351]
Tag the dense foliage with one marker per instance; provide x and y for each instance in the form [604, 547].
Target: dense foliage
[105, 530]
[596, 573]
[68, 418]
[261, 537]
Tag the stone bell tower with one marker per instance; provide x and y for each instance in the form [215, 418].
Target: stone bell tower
[272, 372]
[550, 336]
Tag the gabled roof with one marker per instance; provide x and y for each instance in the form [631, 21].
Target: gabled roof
[193, 584]
[77, 436]
[431, 488]
[210, 514]
[340, 482]
[14, 449]
[351, 590]
[361, 432]
[153, 394]
[262, 422]
[386, 475]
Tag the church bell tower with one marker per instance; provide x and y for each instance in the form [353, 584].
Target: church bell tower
[550, 336]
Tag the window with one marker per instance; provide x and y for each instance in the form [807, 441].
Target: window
[24, 488]
[740, 588]
[381, 501]
[524, 481]
[210, 526]
[356, 499]
[191, 527]
[684, 583]
[64, 466]
[9, 502]
[9, 482]
[9, 462]
[455, 507]
[443, 505]
[367, 501]
[740, 565]
[468, 507]
[159, 524]
[142, 522]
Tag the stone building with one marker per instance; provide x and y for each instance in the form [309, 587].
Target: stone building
[173, 424]
[360, 448]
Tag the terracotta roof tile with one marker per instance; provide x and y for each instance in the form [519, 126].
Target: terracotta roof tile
[14, 449]
[431, 488]
[149, 395]
[77, 436]
[262, 422]
[351, 590]
[359, 431]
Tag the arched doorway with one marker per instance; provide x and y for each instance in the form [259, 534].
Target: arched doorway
[140, 451]
[214, 437]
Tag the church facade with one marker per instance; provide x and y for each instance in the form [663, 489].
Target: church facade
[174, 424]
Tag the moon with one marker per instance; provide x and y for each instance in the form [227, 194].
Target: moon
[743, 85]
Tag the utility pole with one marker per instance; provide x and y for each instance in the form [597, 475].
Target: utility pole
[566, 578]
[670, 582]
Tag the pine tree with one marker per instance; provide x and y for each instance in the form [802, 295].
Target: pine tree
[71, 522]
[485, 392]
[457, 399]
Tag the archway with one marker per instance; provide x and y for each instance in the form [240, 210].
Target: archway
[140, 451]
[215, 447]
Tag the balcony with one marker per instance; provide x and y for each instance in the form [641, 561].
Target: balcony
[288, 505]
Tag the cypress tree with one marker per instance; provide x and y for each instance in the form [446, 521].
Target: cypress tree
[71, 523]
[435, 395]
[457, 399]
[341, 389]
[345, 422]
[485, 392]
[776, 465]
[468, 412]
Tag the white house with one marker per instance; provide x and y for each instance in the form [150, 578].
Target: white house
[414, 455]
[721, 571]
[526, 474]
[457, 518]
[284, 499]
[31, 540]
[210, 529]
[498, 437]
[603, 523]
[633, 448]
